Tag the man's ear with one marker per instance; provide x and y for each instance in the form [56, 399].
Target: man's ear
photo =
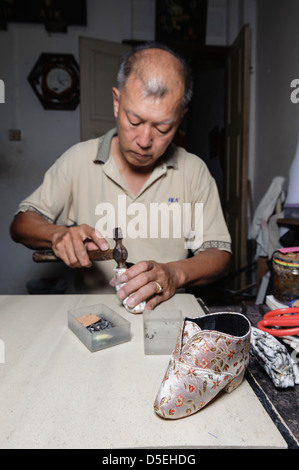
[183, 113]
[115, 95]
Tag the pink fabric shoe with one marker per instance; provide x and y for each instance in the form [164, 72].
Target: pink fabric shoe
[211, 354]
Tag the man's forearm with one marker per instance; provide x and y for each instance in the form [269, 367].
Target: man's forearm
[202, 268]
[70, 244]
[34, 231]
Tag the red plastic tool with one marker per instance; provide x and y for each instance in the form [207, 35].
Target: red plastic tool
[280, 319]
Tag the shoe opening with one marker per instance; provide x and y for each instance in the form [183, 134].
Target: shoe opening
[229, 323]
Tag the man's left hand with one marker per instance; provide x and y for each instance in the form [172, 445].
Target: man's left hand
[144, 280]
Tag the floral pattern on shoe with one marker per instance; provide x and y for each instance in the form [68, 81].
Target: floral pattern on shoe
[202, 363]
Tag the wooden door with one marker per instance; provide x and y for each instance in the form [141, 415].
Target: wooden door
[236, 149]
[99, 64]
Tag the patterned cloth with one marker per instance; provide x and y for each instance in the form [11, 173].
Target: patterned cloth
[274, 358]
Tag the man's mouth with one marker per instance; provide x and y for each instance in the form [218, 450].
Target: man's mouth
[141, 155]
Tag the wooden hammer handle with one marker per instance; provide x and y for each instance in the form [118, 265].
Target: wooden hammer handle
[94, 255]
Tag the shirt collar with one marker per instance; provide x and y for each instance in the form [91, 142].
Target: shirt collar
[104, 146]
[169, 157]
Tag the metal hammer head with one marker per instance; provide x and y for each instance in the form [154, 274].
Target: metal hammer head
[120, 253]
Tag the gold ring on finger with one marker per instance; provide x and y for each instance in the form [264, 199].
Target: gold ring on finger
[159, 289]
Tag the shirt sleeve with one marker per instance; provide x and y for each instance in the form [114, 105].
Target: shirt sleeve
[53, 197]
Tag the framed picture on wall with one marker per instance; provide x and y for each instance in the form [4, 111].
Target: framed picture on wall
[181, 21]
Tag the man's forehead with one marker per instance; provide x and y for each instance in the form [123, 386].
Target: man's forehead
[136, 91]
[154, 76]
[156, 58]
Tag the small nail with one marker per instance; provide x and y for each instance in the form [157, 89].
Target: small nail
[123, 278]
[121, 294]
[131, 301]
[98, 234]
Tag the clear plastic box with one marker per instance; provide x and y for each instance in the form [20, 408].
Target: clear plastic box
[161, 330]
[120, 332]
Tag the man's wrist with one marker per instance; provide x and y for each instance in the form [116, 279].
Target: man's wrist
[58, 232]
[179, 272]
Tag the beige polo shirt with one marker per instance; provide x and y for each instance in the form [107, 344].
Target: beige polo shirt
[177, 209]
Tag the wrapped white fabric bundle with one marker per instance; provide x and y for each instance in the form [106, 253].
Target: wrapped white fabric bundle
[274, 358]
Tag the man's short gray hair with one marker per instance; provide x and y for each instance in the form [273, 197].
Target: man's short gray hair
[154, 87]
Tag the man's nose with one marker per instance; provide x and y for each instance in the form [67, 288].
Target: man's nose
[144, 138]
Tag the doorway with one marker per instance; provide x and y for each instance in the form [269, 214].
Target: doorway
[204, 124]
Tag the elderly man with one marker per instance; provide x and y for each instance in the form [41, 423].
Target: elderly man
[134, 169]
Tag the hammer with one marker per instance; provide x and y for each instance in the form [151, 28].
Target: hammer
[118, 253]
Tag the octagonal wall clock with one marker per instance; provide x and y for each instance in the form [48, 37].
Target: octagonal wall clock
[55, 79]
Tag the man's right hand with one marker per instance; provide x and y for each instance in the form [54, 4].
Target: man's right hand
[70, 244]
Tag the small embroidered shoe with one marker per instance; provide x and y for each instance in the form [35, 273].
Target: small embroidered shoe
[211, 354]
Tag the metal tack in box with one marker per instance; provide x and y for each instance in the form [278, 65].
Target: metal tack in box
[99, 327]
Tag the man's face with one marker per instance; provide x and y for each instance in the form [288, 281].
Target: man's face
[146, 125]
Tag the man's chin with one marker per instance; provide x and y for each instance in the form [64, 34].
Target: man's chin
[141, 162]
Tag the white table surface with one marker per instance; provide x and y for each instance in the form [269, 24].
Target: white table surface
[55, 393]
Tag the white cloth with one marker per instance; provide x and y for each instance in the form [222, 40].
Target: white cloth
[293, 187]
[259, 229]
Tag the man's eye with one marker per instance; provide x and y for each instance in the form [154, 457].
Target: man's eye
[134, 124]
[163, 131]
